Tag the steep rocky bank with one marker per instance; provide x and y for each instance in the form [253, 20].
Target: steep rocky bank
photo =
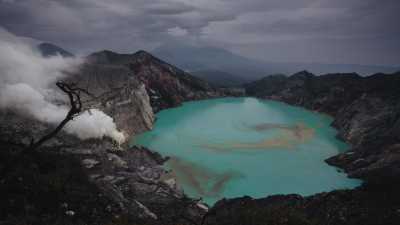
[70, 181]
[366, 112]
[166, 85]
[116, 91]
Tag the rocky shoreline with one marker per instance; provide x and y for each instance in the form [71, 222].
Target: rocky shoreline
[367, 114]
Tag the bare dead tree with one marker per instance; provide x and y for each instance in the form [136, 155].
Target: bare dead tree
[74, 96]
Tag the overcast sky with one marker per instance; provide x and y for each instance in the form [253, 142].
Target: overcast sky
[330, 31]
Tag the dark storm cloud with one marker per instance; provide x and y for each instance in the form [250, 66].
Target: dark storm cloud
[123, 25]
[367, 18]
[168, 8]
[250, 27]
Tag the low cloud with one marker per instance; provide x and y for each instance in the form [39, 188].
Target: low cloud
[248, 27]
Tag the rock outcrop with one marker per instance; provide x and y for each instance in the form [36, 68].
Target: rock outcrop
[166, 85]
[115, 90]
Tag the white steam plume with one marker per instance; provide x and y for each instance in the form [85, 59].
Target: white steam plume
[25, 80]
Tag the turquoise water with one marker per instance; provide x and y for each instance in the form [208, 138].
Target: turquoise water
[232, 147]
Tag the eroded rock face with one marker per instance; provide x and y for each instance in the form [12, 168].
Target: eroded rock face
[134, 180]
[366, 112]
[166, 85]
[117, 92]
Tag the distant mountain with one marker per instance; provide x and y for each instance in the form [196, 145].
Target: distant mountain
[110, 57]
[219, 78]
[321, 68]
[192, 58]
[48, 49]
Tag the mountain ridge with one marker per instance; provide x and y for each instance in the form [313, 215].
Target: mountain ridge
[194, 58]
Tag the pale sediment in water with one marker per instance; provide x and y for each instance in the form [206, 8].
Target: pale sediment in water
[288, 137]
[205, 181]
[243, 146]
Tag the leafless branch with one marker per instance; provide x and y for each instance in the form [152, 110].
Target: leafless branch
[74, 96]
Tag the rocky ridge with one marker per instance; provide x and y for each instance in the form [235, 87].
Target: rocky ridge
[166, 85]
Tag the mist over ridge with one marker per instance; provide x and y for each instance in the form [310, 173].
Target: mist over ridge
[27, 85]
